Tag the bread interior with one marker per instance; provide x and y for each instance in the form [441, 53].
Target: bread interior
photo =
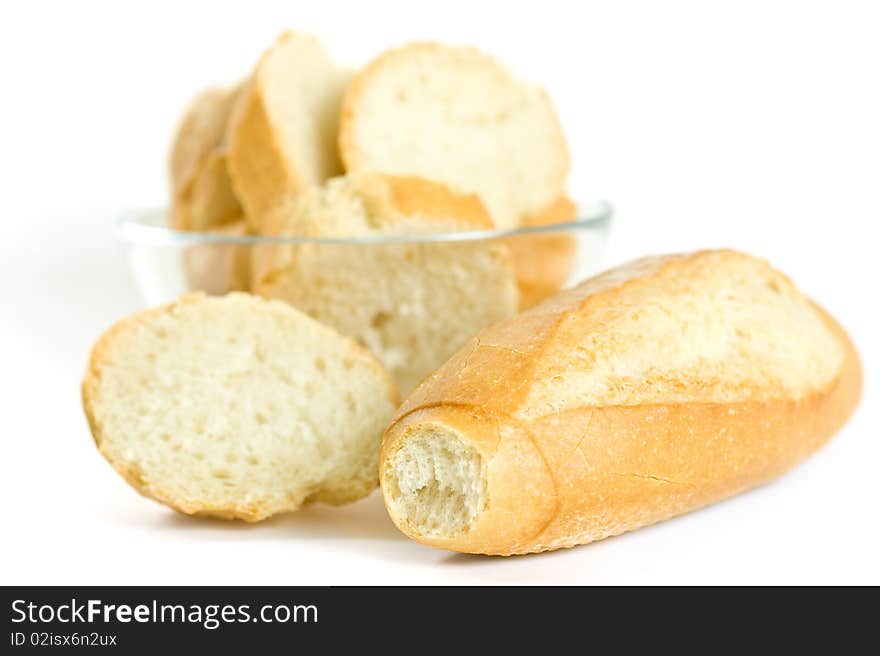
[436, 483]
[229, 406]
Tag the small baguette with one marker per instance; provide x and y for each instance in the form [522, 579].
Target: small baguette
[646, 392]
[202, 195]
[282, 134]
[237, 407]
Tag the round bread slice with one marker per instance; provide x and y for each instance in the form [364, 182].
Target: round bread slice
[202, 195]
[283, 132]
[412, 303]
[237, 407]
[455, 115]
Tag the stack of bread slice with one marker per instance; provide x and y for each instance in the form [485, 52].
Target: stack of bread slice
[425, 139]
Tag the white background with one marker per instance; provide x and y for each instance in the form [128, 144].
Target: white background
[754, 125]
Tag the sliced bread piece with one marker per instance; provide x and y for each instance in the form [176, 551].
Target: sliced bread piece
[237, 407]
[283, 132]
[649, 391]
[456, 115]
[202, 195]
[544, 261]
[413, 303]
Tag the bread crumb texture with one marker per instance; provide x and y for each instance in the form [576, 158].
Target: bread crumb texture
[439, 480]
[237, 407]
[411, 304]
[456, 115]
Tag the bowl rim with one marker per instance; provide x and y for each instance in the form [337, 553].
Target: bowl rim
[147, 227]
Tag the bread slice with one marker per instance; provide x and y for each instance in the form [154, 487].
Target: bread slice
[544, 262]
[412, 304]
[219, 267]
[283, 132]
[646, 392]
[456, 115]
[237, 407]
[202, 195]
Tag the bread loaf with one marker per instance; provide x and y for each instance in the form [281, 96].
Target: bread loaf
[283, 131]
[411, 303]
[646, 392]
[455, 115]
[237, 407]
[202, 195]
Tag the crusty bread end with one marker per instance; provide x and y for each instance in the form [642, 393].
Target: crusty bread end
[649, 391]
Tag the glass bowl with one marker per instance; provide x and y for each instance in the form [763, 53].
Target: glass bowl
[163, 260]
[412, 299]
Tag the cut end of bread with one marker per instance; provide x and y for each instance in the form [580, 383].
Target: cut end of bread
[435, 484]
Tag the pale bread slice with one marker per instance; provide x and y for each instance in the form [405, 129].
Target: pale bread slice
[237, 407]
[456, 115]
[412, 304]
[283, 132]
[202, 196]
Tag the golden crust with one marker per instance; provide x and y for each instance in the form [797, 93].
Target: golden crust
[595, 472]
[257, 164]
[90, 391]
[410, 195]
[263, 173]
[392, 198]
